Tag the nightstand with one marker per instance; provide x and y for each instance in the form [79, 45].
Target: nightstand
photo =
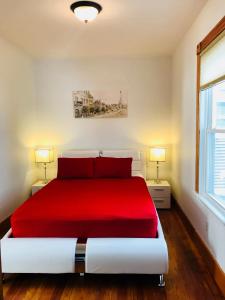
[37, 186]
[160, 193]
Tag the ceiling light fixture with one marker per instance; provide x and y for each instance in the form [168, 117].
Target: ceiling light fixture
[86, 10]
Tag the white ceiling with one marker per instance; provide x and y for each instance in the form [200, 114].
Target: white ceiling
[131, 28]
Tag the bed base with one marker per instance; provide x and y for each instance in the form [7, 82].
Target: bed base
[161, 283]
[97, 256]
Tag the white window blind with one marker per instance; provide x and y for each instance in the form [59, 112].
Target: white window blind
[213, 61]
[219, 165]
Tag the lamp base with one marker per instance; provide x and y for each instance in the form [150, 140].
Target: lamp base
[157, 181]
[44, 181]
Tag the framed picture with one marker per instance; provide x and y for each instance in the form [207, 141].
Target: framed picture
[100, 104]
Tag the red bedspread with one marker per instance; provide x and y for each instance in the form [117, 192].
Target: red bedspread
[88, 208]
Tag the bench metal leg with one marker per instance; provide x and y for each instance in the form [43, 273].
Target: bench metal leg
[161, 281]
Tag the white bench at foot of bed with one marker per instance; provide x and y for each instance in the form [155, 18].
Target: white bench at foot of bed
[127, 255]
[102, 255]
[37, 255]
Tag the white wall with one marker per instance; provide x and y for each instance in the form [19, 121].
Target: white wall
[147, 81]
[16, 127]
[210, 228]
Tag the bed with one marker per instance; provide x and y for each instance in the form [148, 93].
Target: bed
[100, 225]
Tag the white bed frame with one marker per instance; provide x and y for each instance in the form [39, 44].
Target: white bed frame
[99, 255]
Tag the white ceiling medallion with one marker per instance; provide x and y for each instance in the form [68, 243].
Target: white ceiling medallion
[86, 10]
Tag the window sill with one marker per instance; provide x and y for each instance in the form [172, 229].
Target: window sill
[213, 205]
[220, 200]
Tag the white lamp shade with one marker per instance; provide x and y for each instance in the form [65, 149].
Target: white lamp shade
[157, 154]
[44, 155]
[86, 13]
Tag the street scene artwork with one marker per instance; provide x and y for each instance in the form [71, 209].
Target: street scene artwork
[100, 104]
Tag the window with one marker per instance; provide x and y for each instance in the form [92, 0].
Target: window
[212, 142]
[210, 134]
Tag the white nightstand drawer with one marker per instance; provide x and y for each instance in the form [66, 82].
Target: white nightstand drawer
[159, 191]
[162, 202]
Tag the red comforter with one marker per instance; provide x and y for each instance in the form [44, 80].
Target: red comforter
[88, 208]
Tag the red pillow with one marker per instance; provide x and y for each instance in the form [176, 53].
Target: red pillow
[111, 167]
[75, 168]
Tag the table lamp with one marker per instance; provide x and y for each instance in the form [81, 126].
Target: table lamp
[157, 155]
[44, 156]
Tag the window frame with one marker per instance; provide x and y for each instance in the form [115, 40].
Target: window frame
[211, 36]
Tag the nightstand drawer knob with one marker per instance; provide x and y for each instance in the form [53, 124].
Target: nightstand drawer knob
[160, 190]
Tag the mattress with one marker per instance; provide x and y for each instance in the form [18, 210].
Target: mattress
[85, 208]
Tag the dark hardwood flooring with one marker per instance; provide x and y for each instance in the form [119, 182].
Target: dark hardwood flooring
[188, 278]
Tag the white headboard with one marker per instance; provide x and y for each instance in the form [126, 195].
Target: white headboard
[138, 164]
[80, 153]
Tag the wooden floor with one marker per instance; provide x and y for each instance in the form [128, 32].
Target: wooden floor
[188, 277]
